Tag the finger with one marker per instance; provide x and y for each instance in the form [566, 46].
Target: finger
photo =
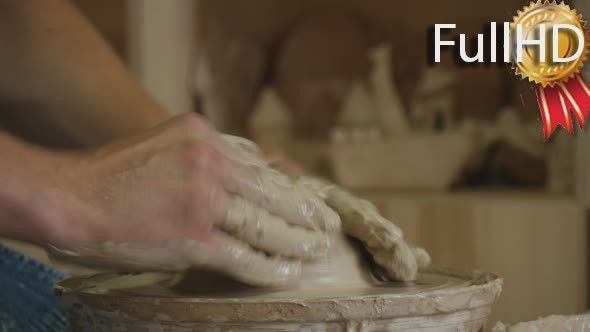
[399, 262]
[272, 234]
[221, 253]
[245, 173]
[361, 219]
[236, 259]
[281, 196]
[422, 257]
[243, 144]
[381, 237]
[126, 257]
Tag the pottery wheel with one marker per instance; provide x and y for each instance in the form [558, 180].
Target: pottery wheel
[341, 290]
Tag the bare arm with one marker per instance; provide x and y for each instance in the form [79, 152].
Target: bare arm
[56, 67]
[26, 203]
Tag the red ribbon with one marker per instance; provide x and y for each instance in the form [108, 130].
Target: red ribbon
[557, 103]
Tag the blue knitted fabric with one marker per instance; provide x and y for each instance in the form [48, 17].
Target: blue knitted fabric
[27, 303]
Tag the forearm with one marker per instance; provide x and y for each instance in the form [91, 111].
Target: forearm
[53, 61]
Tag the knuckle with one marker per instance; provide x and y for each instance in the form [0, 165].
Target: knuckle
[190, 124]
[200, 156]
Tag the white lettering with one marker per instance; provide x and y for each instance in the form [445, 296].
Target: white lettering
[556, 57]
[438, 43]
[493, 56]
[506, 42]
[520, 42]
[478, 56]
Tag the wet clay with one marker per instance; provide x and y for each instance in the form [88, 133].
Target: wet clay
[226, 255]
[381, 237]
[344, 271]
[360, 219]
[255, 246]
[548, 324]
[266, 224]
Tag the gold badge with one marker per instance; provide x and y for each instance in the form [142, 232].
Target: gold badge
[548, 73]
[548, 45]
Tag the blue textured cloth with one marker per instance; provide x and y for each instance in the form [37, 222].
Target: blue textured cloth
[27, 303]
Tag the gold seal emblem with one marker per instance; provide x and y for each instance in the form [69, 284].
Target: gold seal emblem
[549, 72]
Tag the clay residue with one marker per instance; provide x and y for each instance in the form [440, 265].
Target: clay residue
[548, 324]
[264, 242]
[228, 256]
[456, 300]
[266, 224]
[360, 219]
[381, 237]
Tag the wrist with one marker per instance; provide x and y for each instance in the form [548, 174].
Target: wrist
[25, 202]
[19, 170]
[37, 200]
[58, 208]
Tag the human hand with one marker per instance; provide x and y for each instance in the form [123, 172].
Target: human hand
[178, 196]
[361, 220]
[381, 237]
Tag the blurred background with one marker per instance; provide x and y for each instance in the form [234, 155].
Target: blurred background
[452, 154]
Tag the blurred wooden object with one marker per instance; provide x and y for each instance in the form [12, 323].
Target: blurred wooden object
[408, 61]
[270, 25]
[423, 161]
[512, 154]
[560, 163]
[474, 153]
[358, 108]
[581, 167]
[229, 75]
[392, 116]
[434, 105]
[536, 241]
[270, 119]
[507, 165]
[316, 66]
[160, 36]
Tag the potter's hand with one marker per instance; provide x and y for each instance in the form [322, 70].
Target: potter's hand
[180, 196]
[361, 220]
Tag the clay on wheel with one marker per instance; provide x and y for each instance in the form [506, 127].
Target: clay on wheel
[345, 268]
